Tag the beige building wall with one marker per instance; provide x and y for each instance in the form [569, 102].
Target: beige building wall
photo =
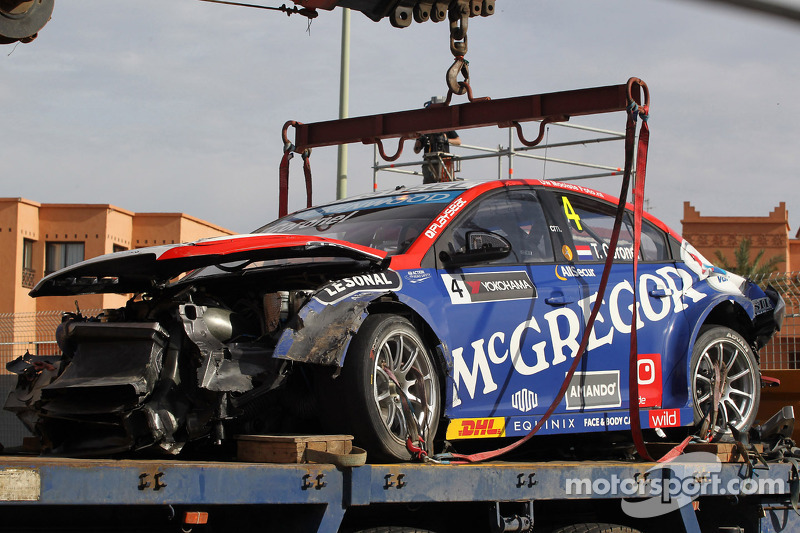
[151, 229]
[18, 221]
[99, 227]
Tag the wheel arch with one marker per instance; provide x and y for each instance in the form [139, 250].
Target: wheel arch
[327, 330]
[724, 310]
[729, 311]
[390, 304]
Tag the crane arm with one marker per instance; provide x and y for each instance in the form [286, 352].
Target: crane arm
[21, 20]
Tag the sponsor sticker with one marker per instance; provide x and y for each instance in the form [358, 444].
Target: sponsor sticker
[336, 291]
[417, 276]
[568, 271]
[519, 426]
[524, 400]
[649, 377]
[594, 390]
[476, 428]
[665, 418]
[762, 305]
[443, 219]
[567, 252]
[488, 287]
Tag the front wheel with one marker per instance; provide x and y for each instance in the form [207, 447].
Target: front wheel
[385, 346]
[723, 361]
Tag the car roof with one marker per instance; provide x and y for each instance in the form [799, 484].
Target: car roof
[477, 187]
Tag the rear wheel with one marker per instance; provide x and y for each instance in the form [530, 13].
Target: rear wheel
[387, 359]
[723, 360]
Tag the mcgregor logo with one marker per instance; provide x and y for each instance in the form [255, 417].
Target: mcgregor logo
[533, 346]
[476, 428]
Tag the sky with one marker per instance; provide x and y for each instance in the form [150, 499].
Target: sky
[178, 106]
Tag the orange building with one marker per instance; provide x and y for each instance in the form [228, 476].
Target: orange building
[769, 233]
[37, 239]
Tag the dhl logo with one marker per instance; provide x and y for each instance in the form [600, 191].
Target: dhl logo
[477, 428]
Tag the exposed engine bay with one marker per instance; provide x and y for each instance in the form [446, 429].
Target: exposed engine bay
[193, 362]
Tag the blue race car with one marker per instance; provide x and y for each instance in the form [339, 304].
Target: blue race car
[449, 311]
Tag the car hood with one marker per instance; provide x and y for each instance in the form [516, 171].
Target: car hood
[140, 270]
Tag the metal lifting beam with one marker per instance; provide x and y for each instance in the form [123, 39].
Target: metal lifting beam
[558, 106]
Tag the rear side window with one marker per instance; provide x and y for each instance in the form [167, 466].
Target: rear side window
[654, 244]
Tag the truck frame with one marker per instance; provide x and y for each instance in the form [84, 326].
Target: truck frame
[39, 493]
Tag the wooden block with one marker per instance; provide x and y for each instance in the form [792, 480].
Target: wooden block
[31, 444]
[288, 448]
[725, 451]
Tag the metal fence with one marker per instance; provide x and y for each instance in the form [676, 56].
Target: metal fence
[33, 333]
[783, 351]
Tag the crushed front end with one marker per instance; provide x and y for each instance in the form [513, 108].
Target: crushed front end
[186, 363]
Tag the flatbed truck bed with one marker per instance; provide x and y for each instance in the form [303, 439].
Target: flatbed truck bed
[40, 493]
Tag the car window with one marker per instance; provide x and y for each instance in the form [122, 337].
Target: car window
[591, 224]
[654, 243]
[516, 215]
[389, 223]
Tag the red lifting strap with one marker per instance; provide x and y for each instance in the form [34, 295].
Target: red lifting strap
[283, 170]
[630, 140]
[307, 174]
[638, 208]
[283, 182]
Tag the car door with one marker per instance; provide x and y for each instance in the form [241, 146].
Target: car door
[511, 324]
[601, 382]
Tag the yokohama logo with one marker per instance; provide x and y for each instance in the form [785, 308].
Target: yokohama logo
[524, 400]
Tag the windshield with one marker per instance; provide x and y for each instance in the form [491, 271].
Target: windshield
[388, 223]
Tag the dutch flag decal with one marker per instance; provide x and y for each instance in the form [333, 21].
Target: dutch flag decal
[584, 252]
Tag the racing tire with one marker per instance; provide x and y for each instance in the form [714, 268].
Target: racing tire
[372, 408]
[721, 347]
[595, 528]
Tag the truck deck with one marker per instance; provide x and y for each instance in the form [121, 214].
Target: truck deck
[48, 493]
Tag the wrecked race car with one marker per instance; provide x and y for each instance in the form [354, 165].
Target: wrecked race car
[443, 311]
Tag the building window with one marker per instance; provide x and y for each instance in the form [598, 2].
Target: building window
[62, 254]
[118, 248]
[28, 273]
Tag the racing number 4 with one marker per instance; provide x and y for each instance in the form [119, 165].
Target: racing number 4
[456, 288]
[571, 214]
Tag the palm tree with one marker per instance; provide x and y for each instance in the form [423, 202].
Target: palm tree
[743, 266]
